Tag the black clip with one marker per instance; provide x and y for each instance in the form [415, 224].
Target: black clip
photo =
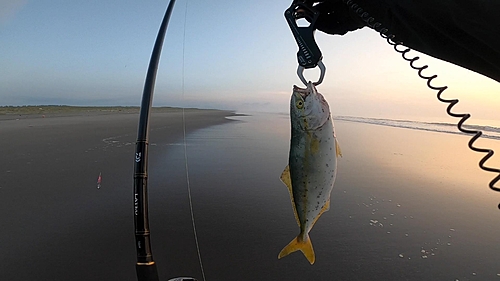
[309, 54]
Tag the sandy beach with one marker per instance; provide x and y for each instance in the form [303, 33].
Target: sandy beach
[407, 204]
[56, 225]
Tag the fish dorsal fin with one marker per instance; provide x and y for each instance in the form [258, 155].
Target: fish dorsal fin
[337, 148]
[287, 180]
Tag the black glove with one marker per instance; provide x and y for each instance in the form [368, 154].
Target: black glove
[336, 18]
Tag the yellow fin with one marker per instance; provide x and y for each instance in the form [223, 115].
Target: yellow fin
[337, 148]
[297, 244]
[325, 208]
[285, 178]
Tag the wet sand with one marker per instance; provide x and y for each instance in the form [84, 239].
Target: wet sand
[56, 224]
[407, 205]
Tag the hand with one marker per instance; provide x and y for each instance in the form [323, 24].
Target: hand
[336, 17]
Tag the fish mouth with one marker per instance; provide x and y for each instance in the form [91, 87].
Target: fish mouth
[303, 92]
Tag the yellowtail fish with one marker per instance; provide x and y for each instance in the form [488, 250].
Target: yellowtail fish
[312, 164]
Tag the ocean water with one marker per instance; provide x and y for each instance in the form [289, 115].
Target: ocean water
[409, 203]
[488, 131]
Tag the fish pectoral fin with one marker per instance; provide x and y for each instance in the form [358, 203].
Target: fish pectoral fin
[337, 149]
[287, 180]
[297, 244]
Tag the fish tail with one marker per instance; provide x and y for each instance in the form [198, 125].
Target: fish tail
[304, 245]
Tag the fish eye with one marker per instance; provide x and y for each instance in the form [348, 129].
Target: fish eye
[299, 104]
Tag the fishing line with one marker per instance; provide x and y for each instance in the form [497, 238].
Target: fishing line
[185, 147]
[384, 32]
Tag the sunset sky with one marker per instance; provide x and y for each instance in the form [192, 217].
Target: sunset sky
[236, 55]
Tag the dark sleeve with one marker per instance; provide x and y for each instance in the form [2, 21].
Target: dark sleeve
[463, 32]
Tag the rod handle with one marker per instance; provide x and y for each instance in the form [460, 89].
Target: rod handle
[146, 271]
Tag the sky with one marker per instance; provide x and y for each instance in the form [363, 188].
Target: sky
[237, 55]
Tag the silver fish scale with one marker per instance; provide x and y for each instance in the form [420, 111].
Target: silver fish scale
[312, 170]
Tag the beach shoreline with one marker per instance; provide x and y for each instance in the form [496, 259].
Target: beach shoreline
[407, 204]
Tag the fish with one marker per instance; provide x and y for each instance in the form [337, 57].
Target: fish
[312, 164]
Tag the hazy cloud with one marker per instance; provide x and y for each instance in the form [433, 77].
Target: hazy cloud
[9, 8]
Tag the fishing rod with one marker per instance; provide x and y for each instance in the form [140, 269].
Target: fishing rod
[146, 267]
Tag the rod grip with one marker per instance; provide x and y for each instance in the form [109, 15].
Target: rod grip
[146, 272]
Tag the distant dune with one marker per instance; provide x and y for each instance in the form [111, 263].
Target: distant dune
[64, 110]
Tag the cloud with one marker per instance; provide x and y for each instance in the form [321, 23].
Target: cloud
[9, 8]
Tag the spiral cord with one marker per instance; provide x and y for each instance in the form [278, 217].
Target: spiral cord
[390, 38]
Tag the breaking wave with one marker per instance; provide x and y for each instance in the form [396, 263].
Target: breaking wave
[489, 132]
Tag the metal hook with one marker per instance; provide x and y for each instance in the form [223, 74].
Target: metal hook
[322, 68]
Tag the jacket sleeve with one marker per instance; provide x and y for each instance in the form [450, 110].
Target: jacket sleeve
[462, 32]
